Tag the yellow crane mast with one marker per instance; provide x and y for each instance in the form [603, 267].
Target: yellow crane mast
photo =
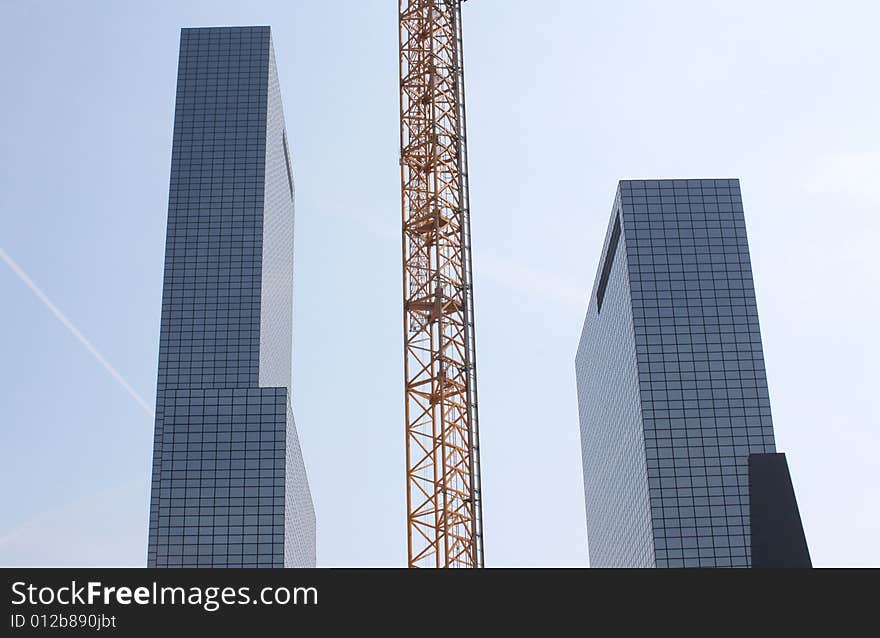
[444, 505]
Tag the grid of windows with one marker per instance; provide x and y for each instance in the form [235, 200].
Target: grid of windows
[703, 388]
[211, 296]
[276, 319]
[220, 478]
[229, 486]
[612, 440]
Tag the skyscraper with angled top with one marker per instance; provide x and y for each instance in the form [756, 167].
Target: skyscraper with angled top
[677, 440]
[229, 486]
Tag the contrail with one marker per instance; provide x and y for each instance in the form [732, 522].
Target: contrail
[73, 330]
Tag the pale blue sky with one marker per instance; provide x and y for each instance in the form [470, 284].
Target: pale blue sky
[564, 99]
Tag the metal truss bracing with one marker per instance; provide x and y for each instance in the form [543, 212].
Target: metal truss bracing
[444, 506]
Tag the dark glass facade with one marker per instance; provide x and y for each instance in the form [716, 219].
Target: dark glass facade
[778, 538]
[229, 487]
[672, 389]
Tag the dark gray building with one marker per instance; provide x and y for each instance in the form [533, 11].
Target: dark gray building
[672, 390]
[229, 487]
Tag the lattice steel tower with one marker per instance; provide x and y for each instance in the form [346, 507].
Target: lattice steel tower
[444, 506]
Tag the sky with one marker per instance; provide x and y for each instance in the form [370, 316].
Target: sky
[564, 99]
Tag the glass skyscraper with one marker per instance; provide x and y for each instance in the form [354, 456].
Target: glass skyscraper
[229, 487]
[672, 390]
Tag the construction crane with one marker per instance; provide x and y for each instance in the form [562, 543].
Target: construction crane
[444, 505]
